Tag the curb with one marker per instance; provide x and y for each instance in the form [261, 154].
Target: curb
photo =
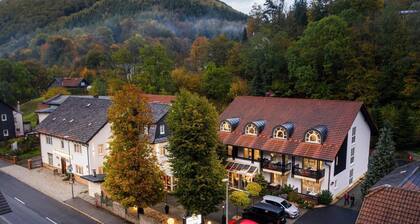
[84, 213]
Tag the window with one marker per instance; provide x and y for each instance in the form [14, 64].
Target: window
[257, 154]
[48, 139]
[351, 176]
[230, 150]
[225, 126]
[162, 150]
[247, 153]
[5, 132]
[162, 129]
[77, 148]
[79, 169]
[62, 144]
[100, 149]
[336, 160]
[50, 159]
[251, 129]
[4, 117]
[352, 155]
[146, 130]
[280, 133]
[353, 135]
[313, 136]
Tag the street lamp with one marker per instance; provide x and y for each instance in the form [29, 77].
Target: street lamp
[70, 169]
[226, 180]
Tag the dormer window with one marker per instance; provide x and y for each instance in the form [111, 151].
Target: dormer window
[251, 129]
[225, 126]
[313, 136]
[280, 133]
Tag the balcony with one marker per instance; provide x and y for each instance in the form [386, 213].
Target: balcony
[308, 173]
[276, 166]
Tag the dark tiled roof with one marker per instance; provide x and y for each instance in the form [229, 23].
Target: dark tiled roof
[336, 115]
[78, 118]
[390, 205]
[407, 177]
[158, 111]
[4, 207]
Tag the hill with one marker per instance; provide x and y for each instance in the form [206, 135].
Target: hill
[29, 23]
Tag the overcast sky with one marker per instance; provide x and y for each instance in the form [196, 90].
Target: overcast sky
[245, 6]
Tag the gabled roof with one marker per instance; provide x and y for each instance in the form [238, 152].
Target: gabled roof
[77, 119]
[305, 114]
[8, 105]
[406, 177]
[162, 99]
[67, 82]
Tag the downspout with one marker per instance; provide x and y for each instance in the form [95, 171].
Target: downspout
[329, 174]
[87, 152]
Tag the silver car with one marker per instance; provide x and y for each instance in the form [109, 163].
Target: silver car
[291, 210]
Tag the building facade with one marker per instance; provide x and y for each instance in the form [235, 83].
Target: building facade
[11, 122]
[312, 145]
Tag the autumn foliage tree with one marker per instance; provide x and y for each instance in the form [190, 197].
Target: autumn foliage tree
[133, 176]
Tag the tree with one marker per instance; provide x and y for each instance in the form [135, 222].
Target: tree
[199, 53]
[183, 79]
[133, 175]
[55, 91]
[404, 135]
[382, 161]
[218, 50]
[240, 199]
[192, 147]
[254, 189]
[98, 88]
[216, 82]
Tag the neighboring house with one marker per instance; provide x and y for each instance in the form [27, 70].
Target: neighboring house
[394, 199]
[11, 122]
[68, 82]
[311, 144]
[77, 131]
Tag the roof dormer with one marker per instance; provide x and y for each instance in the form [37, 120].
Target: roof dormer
[317, 134]
[255, 127]
[283, 131]
[229, 124]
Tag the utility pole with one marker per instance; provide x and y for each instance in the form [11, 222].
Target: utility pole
[226, 180]
[70, 169]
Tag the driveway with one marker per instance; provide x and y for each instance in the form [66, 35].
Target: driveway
[329, 215]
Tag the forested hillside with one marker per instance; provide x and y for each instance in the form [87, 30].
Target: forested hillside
[366, 50]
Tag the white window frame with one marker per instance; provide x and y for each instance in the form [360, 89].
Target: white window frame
[251, 129]
[352, 152]
[353, 135]
[225, 126]
[312, 133]
[77, 148]
[351, 175]
[280, 133]
[5, 133]
[48, 140]
[4, 117]
[162, 129]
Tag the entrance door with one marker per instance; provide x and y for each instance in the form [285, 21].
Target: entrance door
[63, 165]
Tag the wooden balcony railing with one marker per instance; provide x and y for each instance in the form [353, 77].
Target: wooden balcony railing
[276, 166]
[315, 174]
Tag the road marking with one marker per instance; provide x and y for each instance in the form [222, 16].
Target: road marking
[17, 199]
[51, 220]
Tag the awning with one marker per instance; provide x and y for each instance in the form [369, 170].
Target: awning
[244, 169]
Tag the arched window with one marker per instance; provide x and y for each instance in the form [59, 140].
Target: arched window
[280, 133]
[313, 136]
[251, 129]
[225, 126]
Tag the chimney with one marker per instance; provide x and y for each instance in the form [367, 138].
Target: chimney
[94, 172]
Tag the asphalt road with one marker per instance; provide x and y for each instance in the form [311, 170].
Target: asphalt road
[31, 206]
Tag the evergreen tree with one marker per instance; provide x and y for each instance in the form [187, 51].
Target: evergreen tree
[404, 136]
[192, 147]
[382, 161]
[133, 176]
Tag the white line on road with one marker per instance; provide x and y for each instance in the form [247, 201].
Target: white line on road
[17, 199]
[51, 220]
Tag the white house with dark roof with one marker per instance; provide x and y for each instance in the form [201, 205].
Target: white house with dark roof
[76, 131]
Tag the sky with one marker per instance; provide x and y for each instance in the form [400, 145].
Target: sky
[245, 6]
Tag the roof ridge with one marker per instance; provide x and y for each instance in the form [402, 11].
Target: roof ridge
[302, 99]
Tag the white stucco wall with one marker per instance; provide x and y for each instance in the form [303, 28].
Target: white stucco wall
[103, 137]
[18, 123]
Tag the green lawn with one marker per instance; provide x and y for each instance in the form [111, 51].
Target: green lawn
[29, 154]
[28, 109]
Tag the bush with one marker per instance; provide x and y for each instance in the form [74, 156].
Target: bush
[259, 178]
[325, 197]
[285, 189]
[292, 196]
[254, 189]
[240, 199]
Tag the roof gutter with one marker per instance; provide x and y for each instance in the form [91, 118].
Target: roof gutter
[329, 174]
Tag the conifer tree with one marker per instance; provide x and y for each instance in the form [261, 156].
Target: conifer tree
[382, 161]
[133, 177]
[192, 146]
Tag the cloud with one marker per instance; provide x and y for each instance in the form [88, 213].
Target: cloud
[244, 6]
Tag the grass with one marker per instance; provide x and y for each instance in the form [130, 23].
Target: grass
[28, 109]
[29, 154]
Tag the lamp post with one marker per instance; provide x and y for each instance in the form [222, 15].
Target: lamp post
[226, 180]
[70, 169]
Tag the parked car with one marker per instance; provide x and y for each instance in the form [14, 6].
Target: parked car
[242, 221]
[290, 210]
[265, 214]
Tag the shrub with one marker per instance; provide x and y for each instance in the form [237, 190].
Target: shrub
[254, 189]
[240, 199]
[325, 197]
[259, 178]
[292, 196]
[285, 189]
